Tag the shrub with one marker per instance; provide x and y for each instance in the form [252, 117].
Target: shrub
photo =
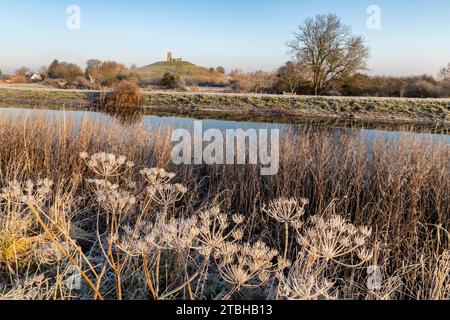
[23, 71]
[292, 78]
[18, 79]
[83, 83]
[422, 89]
[446, 88]
[64, 70]
[171, 81]
[255, 82]
[380, 86]
[125, 94]
[55, 83]
[220, 70]
[111, 72]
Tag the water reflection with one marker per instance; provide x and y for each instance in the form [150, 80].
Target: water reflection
[138, 116]
[127, 117]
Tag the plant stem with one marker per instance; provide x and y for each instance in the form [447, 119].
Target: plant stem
[286, 241]
[64, 252]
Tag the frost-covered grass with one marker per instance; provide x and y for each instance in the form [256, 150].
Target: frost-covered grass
[367, 109]
[110, 207]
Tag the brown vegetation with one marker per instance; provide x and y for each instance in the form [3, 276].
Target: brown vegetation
[23, 71]
[337, 207]
[98, 74]
[109, 73]
[444, 73]
[409, 87]
[254, 82]
[171, 81]
[17, 79]
[124, 95]
[64, 70]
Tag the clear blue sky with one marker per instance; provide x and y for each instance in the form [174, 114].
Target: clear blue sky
[247, 34]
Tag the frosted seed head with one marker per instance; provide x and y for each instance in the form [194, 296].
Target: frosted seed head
[238, 219]
[84, 155]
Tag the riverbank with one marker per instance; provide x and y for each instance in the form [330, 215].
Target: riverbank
[249, 106]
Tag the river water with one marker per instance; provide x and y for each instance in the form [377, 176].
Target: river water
[176, 122]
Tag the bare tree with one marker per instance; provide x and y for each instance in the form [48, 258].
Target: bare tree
[43, 72]
[92, 67]
[444, 73]
[292, 76]
[261, 81]
[111, 72]
[329, 50]
[23, 71]
[64, 70]
[255, 82]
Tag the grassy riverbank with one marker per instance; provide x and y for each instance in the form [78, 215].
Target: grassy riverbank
[365, 109]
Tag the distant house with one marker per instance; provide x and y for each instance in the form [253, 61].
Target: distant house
[34, 76]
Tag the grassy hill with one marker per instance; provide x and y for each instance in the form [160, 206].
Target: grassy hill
[188, 72]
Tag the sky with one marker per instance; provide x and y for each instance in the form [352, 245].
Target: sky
[414, 35]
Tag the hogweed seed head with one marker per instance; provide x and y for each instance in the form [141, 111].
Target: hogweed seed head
[115, 201]
[245, 264]
[238, 219]
[334, 238]
[106, 164]
[285, 210]
[155, 176]
[166, 194]
[28, 193]
[84, 155]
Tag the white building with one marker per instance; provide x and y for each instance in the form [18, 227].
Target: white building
[34, 76]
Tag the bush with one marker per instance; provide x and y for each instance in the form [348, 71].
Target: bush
[446, 88]
[55, 83]
[111, 72]
[422, 89]
[83, 83]
[379, 86]
[204, 81]
[171, 81]
[18, 79]
[254, 82]
[125, 94]
[64, 70]
[220, 70]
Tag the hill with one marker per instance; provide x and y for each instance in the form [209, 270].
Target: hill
[190, 73]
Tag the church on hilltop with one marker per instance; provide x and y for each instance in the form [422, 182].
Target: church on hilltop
[170, 58]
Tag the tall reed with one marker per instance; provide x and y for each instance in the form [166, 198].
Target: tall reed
[219, 231]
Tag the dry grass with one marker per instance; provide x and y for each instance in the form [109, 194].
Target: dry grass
[221, 232]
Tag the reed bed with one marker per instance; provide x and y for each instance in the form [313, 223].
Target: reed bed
[96, 211]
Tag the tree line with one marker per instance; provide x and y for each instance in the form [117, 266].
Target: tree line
[327, 59]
